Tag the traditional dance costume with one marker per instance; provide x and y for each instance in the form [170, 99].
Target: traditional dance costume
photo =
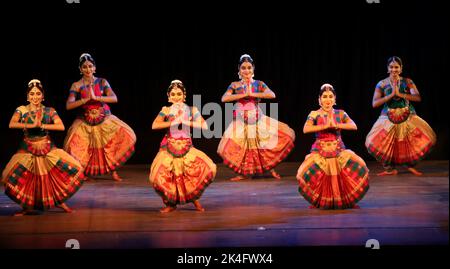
[40, 176]
[98, 139]
[399, 136]
[254, 143]
[331, 176]
[180, 173]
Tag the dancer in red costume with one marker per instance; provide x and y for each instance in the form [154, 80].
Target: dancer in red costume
[253, 143]
[40, 175]
[331, 177]
[98, 139]
[399, 136]
[180, 173]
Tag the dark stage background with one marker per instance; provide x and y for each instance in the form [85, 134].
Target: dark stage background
[140, 47]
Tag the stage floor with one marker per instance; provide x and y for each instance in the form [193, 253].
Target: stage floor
[263, 212]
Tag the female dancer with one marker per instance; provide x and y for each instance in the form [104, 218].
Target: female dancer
[331, 176]
[98, 139]
[40, 176]
[253, 143]
[180, 173]
[399, 136]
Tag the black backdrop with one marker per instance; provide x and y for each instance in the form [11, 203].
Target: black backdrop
[140, 47]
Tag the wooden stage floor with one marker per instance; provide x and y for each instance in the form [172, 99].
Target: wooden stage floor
[402, 210]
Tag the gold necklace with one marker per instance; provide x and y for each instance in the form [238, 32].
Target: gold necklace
[37, 108]
[32, 114]
[90, 83]
[397, 83]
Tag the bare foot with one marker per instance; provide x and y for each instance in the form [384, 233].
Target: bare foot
[116, 176]
[65, 208]
[414, 171]
[167, 209]
[237, 178]
[388, 173]
[311, 207]
[21, 213]
[198, 206]
[275, 174]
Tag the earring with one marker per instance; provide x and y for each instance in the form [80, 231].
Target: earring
[239, 75]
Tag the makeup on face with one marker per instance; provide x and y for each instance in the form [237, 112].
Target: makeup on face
[246, 70]
[176, 95]
[327, 100]
[35, 96]
[394, 69]
[88, 68]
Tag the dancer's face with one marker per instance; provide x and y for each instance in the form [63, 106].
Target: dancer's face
[246, 70]
[327, 100]
[176, 95]
[35, 96]
[394, 69]
[87, 69]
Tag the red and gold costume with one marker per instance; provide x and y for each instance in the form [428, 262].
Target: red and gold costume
[98, 139]
[331, 176]
[41, 176]
[254, 143]
[180, 173]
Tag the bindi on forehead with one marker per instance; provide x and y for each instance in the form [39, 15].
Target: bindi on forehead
[88, 64]
[246, 65]
[328, 94]
[35, 91]
[176, 91]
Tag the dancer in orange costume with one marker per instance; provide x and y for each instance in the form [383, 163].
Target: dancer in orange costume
[331, 177]
[253, 143]
[40, 176]
[180, 173]
[98, 139]
[399, 136]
